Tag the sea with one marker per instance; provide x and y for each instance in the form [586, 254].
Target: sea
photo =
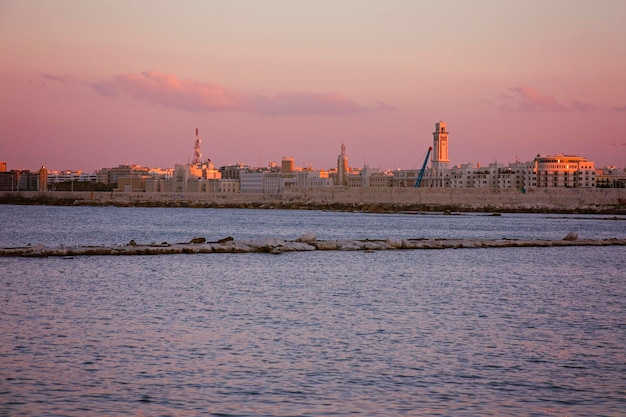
[518, 331]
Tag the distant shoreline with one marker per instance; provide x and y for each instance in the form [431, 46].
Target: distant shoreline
[389, 200]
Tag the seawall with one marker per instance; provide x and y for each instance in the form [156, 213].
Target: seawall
[547, 200]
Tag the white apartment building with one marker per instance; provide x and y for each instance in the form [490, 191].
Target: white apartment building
[313, 179]
[251, 182]
[63, 176]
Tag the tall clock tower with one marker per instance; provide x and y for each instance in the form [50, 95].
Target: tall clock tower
[440, 154]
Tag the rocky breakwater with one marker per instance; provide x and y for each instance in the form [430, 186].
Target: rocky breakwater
[305, 243]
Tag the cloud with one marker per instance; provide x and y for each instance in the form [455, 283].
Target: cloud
[42, 80]
[57, 78]
[581, 106]
[527, 99]
[104, 88]
[302, 103]
[380, 105]
[168, 90]
[619, 108]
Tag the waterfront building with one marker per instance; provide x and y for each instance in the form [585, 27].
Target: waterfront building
[7, 181]
[514, 176]
[367, 177]
[56, 177]
[380, 179]
[161, 172]
[310, 178]
[134, 184]
[563, 171]
[233, 172]
[24, 180]
[19, 180]
[224, 186]
[611, 177]
[251, 182]
[272, 183]
[404, 177]
[287, 165]
[110, 176]
[354, 179]
[475, 176]
[192, 178]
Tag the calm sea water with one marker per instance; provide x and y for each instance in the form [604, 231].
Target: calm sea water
[502, 332]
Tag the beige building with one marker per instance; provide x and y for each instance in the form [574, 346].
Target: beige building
[112, 175]
[563, 171]
[611, 177]
[287, 165]
[133, 184]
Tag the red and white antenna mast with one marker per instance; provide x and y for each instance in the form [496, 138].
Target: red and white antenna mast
[197, 156]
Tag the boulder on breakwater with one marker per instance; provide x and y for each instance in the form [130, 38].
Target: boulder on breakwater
[571, 236]
[305, 243]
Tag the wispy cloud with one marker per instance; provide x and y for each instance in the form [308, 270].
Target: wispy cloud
[169, 90]
[57, 78]
[578, 105]
[104, 88]
[527, 99]
[381, 105]
[301, 103]
[43, 80]
[619, 108]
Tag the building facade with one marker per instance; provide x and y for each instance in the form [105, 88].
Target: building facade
[563, 171]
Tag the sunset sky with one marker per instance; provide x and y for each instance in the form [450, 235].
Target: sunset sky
[92, 84]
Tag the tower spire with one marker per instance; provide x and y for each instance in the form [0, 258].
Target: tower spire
[197, 155]
[440, 154]
[342, 167]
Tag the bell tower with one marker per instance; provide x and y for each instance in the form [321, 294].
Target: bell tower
[440, 155]
[342, 167]
[440, 146]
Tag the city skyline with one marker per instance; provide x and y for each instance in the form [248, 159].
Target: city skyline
[97, 84]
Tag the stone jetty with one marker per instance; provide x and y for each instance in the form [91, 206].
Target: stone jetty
[371, 200]
[305, 243]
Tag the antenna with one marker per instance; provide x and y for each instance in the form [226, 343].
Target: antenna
[197, 155]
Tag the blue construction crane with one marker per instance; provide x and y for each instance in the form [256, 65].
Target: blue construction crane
[421, 175]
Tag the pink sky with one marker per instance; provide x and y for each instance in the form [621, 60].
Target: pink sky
[93, 84]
